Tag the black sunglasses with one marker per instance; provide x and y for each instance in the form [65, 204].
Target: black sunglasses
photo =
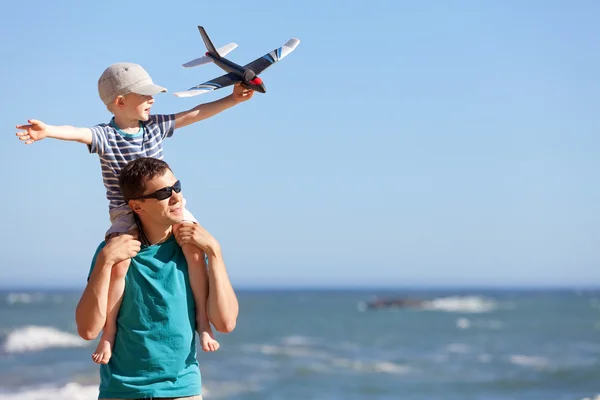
[161, 194]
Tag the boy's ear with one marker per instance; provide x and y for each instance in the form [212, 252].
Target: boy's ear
[119, 101]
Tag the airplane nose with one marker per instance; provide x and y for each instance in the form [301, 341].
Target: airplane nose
[263, 89]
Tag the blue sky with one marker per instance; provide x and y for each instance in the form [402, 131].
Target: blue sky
[402, 144]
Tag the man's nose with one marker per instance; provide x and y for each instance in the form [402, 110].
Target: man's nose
[175, 197]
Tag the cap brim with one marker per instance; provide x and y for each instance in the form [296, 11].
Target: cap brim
[149, 90]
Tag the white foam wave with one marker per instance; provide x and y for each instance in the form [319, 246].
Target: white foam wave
[29, 298]
[457, 348]
[464, 304]
[71, 391]
[529, 361]
[465, 323]
[592, 398]
[75, 391]
[288, 351]
[35, 338]
[372, 366]
[297, 341]
[24, 298]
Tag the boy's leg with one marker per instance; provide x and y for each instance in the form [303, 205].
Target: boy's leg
[122, 222]
[115, 296]
[199, 283]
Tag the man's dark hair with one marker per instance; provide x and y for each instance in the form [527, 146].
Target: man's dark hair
[136, 173]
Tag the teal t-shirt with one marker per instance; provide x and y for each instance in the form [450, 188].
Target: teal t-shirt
[154, 354]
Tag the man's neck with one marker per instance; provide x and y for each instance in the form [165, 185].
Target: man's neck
[156, 234]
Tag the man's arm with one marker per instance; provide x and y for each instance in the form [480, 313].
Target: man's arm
[91, 311]
[207, 110]
[222, 304]
[90, 315]
[37, 130]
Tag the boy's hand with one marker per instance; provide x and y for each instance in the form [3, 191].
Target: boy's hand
[121, 248]
[241, 94]
[195, 234]
[36, 130]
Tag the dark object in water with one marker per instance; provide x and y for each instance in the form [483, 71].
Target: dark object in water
[397, 302]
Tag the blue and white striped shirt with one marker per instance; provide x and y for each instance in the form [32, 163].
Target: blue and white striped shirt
[116, 148]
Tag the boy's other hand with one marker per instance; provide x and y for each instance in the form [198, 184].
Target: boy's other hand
[241, 94]
[36, 130]
[195, 234]
[121, 248]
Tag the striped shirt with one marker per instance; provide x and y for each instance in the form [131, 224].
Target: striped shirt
[116, 148]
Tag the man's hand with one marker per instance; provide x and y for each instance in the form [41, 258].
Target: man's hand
[33, 132]
[195, 234]
[120, 248]
[241, 94]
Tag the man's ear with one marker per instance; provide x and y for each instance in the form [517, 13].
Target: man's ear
[136, 206]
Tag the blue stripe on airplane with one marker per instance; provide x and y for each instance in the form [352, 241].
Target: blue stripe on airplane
[269, 58]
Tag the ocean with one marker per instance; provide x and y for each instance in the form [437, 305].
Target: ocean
[326, 344]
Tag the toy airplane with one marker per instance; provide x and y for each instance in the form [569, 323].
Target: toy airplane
[247, 75]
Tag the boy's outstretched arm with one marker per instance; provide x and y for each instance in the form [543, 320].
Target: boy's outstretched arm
[37, 130]
[207, 110]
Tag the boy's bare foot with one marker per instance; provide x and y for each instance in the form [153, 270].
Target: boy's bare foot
[208, 341]
[103, 352]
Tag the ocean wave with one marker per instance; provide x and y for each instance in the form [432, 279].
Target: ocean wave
[24, 298]
[297, 341]
[465, 323]
[289, 351]
[465, 304]
[592, 398]
[76, 391]
[457, 348]
[529, 361]
[371, 366]
[71, 391]
[36, 338]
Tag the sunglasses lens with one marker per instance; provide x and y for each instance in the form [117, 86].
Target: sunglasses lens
[177, 187]
[163, 194]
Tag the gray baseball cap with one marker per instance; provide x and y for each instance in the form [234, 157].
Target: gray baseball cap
[124, 78]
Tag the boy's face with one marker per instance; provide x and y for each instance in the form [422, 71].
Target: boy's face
[134, 106]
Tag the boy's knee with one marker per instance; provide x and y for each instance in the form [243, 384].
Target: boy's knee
[134, 233]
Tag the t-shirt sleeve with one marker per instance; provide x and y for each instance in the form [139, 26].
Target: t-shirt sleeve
[99, 139]
[100, 247]
[166, 124]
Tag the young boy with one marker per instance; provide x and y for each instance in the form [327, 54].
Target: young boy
[126, 89]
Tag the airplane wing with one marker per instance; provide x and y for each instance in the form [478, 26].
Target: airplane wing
[214, 84]
[264, 62]
[223, 51]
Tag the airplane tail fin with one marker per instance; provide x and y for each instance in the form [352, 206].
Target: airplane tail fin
[209, 46]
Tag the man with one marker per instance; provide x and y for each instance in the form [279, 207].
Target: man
[154, 352]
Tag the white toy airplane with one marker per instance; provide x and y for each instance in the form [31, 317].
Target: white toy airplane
[247, 75]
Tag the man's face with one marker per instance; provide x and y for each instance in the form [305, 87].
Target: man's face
[163, 212]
